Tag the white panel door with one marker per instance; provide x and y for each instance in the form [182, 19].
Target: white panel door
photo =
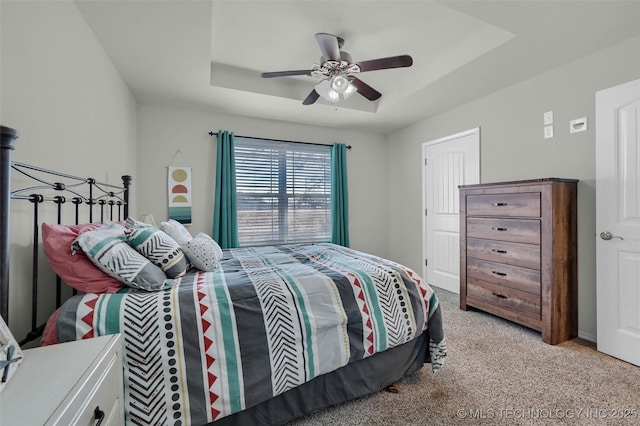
[448, 162]
[618, 221]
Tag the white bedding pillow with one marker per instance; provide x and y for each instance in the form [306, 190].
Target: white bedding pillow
[176, 230]
[203, 252]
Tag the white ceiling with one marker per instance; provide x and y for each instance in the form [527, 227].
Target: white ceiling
[209, 54]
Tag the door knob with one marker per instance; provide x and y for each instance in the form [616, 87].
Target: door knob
[606, 235]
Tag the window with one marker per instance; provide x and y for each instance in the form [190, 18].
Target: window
[283, 191]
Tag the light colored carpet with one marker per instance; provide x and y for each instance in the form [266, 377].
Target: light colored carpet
[497, 372]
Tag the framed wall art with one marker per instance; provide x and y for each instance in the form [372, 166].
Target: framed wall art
[180, 194]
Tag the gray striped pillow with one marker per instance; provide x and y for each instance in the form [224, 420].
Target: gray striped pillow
[107, 248]
[162, 250]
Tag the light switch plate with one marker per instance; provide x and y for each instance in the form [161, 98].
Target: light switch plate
[548, 118]
[548, 132]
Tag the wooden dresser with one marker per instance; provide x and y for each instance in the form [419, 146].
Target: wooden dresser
[518, 253]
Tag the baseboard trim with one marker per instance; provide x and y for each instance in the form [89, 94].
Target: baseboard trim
[587, 336]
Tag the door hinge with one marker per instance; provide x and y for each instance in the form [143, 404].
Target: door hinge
[426, 262]
[425, 161]
[425, 212]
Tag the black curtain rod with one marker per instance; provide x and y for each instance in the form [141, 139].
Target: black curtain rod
[278, 140]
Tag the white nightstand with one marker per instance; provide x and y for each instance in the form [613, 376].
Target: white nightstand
[67, 384]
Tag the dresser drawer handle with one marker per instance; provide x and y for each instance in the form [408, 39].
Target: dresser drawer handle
[502, 274]
[498, 228]
[99, 415]
[501, 296]
[499, 251]
[499, 204]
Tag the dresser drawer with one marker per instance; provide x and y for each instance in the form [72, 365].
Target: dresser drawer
[518, 254]
[524, 279]
[512, 230]
[526, 204]
[505, 297]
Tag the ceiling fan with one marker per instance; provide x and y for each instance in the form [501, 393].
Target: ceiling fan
[337, 72]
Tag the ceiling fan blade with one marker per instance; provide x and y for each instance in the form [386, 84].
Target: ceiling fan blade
[313, 96]
[329, 46]
[285, 73]
[365, 90]
[386, 63]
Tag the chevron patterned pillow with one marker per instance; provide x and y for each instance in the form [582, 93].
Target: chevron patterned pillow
[162, 250]
[108, 250]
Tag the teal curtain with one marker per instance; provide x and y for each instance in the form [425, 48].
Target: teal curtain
[225, 211]
[339, 196]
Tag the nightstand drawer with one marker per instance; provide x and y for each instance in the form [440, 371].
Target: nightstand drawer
[525, 204]
[523, 279]
[63, 384]
[511, 230]
[504, 297]
[525, 255]
[102, 400]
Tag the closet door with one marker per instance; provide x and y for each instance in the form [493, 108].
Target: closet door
[448, 163]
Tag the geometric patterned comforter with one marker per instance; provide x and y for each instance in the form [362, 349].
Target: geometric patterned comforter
[266, 320]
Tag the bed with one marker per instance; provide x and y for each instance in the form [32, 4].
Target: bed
[267, 335]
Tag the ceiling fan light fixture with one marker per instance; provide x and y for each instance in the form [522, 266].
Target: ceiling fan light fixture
[339, 83]
[350, 90]
[335, 91]
[325, 90]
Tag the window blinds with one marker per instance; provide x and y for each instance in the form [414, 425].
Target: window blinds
[283, 192]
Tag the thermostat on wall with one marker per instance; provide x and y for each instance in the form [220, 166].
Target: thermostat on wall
[578, 125]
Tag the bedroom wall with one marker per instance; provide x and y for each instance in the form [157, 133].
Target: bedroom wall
[177, 136]
[73, 112]
[512, 147]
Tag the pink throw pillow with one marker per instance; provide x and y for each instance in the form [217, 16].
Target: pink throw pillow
[49, 335]
[75, 269]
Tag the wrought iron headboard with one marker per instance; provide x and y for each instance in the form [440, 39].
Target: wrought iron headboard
[112, 204]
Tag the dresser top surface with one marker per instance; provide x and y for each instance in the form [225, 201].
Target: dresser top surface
[519, 182]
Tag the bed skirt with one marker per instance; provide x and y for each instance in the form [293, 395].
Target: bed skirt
[355, 380]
